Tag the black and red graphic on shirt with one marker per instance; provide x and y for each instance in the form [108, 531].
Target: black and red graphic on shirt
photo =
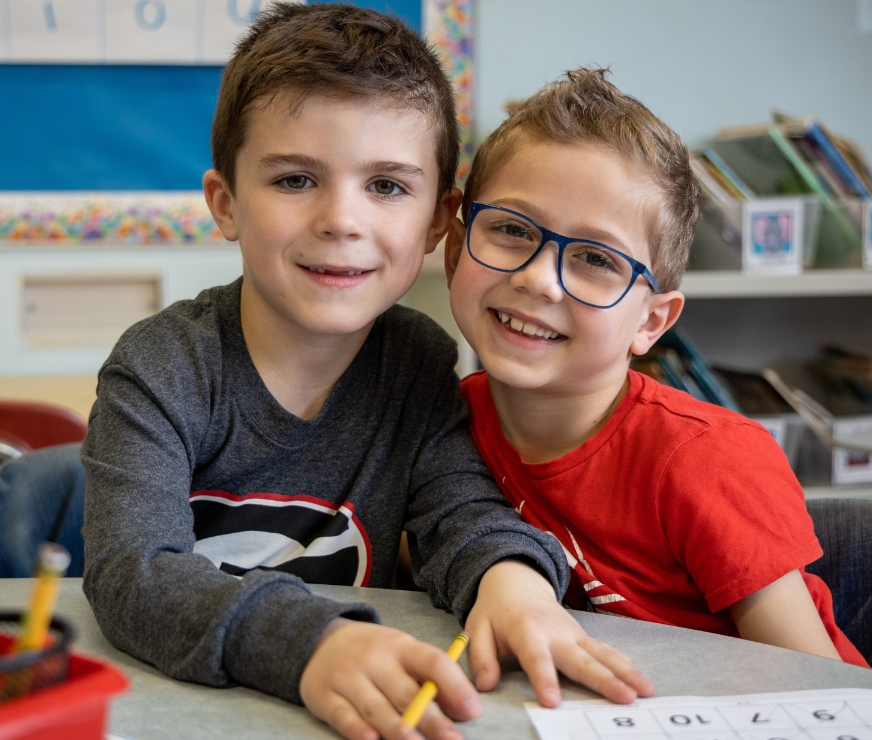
[318, 541]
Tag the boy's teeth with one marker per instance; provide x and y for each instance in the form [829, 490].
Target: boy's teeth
[350, 272]
[531, 330]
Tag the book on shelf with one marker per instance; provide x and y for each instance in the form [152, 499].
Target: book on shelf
[725, 175]
[711, 183]
[674, 360]
[843, 157]
[833, 395]
[796, 157]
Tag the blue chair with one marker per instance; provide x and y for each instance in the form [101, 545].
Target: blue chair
[844, 528]
[42, 498]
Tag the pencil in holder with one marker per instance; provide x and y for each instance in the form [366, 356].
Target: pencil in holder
[28, 671]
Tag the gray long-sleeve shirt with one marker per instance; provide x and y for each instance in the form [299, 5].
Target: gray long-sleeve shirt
[208, 505]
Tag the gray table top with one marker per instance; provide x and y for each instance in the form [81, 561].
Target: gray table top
[679, 662]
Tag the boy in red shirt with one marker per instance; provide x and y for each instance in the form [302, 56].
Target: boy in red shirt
[668, 509]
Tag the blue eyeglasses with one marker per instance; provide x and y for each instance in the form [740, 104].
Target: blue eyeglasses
[589, 272]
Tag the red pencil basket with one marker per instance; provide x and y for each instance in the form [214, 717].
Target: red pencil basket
[69, 694]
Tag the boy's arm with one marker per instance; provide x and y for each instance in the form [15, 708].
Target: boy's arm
[156, 599]
[469, 547]
[783, 614]
[152, 596]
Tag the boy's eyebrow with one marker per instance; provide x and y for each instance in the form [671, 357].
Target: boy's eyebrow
[271, 161]
[591, 233]
[395, 168]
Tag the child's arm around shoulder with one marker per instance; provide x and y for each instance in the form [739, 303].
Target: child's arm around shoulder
[783, 614]
[501, 575]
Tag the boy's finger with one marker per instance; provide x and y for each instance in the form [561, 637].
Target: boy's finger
[484, 662]
[402, 689]
[345, 719]
[457, 697]
[536, 660]
[619, 664]
[377, 711]
[436, 726]
[579, 665]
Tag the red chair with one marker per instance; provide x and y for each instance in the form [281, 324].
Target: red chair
[29, 425]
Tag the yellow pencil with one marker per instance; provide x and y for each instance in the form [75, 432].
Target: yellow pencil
[52, 564]
[427, 692]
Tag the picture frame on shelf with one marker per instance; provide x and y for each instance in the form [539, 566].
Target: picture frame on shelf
[772, 236]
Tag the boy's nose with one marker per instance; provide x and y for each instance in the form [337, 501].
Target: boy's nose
[338, 214]
[540, 277]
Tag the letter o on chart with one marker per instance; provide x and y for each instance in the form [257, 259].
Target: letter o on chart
[150, 14]
[241, 19]
[48, 10]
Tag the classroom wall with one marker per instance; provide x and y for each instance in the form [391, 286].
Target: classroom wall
[699, 64]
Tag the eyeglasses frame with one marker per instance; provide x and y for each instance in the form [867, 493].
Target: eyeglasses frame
[639, 269]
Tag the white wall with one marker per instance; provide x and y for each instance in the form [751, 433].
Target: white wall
[698, 64]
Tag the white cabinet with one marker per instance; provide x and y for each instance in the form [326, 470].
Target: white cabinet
[62, 308]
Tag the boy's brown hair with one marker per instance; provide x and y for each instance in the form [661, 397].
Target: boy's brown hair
[336, 50]
[586, 107]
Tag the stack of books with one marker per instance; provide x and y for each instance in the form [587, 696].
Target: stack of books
[792, 157]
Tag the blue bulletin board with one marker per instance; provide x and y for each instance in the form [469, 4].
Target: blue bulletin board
[107, 122]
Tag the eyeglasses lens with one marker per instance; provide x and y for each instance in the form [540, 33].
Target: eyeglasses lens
[592, 274]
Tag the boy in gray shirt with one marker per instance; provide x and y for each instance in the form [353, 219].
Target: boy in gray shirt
[286, 428]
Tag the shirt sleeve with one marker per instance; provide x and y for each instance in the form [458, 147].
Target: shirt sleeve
[152, 596]
[734, 512]
[459, 523]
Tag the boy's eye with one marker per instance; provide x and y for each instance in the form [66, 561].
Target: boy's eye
[295, 182]
[516, 230]
[386, 187]
[594, 258]
[513, 230]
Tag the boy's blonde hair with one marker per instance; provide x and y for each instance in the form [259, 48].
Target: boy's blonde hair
[584, 106]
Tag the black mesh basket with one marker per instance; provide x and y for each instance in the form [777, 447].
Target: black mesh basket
[26, 672]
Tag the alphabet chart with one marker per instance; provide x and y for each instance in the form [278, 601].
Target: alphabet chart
[123, 31]
[830, 714]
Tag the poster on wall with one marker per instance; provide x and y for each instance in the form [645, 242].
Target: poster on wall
[89, 176]
[123, 31]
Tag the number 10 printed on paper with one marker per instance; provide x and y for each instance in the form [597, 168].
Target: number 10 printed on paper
[832, 714]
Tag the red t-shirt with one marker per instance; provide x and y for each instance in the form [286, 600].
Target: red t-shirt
[673, 511]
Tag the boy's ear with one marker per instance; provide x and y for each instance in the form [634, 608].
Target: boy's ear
[220, 202]
[661, 312]
[445, 210]
[453, 247]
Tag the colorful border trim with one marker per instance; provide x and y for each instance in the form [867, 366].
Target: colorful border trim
[450, 27]
[107, 218]
[161, 218]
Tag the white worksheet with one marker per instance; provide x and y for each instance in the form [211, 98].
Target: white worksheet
[830, 714]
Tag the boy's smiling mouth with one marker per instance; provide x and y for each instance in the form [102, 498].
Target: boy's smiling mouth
[336, 276]
[525, 328]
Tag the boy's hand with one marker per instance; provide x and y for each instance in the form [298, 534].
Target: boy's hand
[361, 677]
[517, 613]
